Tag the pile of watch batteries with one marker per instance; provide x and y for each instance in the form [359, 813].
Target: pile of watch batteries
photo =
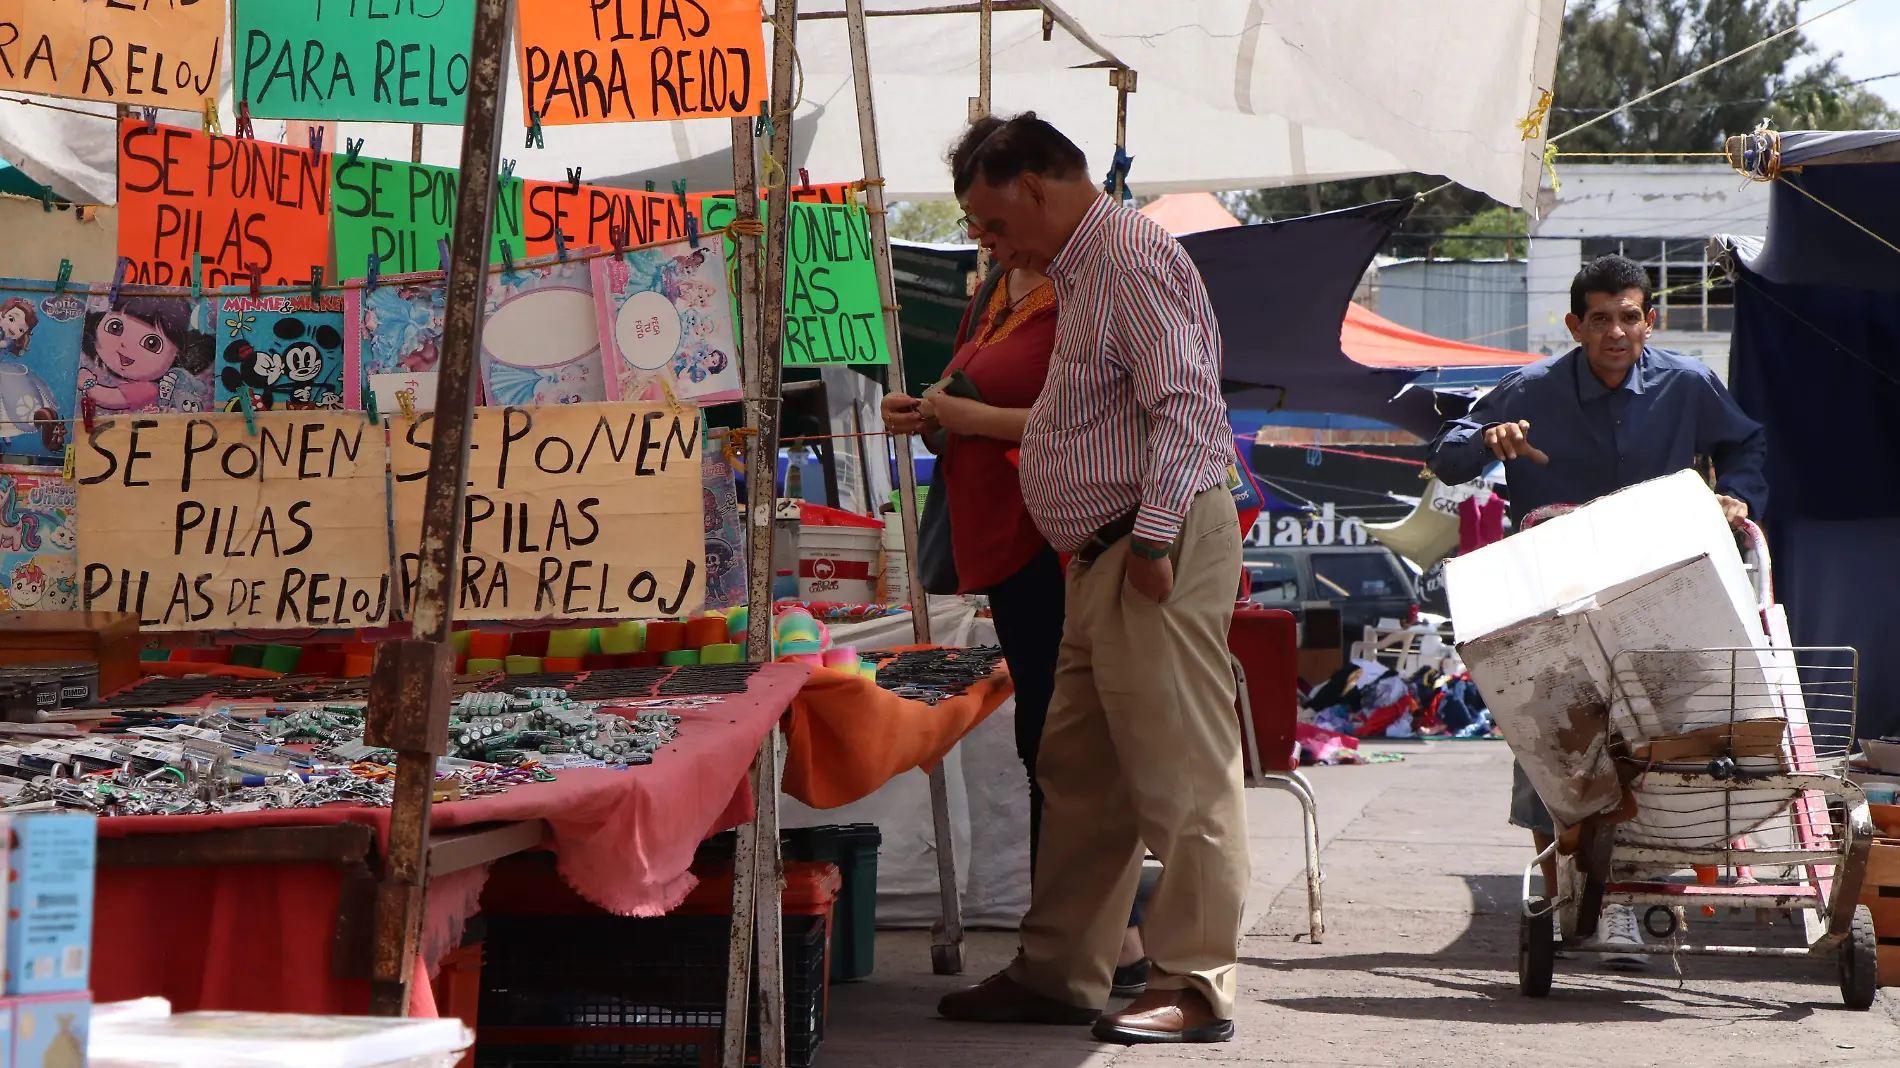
[312, 756]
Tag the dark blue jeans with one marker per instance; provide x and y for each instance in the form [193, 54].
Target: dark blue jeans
[1029, 608]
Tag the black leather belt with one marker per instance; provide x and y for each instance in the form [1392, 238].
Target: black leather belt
[1101, 540]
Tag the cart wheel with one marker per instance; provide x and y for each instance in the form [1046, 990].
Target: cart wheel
[1860, 962]
[1536, 950]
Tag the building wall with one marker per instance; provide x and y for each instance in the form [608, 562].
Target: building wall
[1660, 215]
[1480, 301]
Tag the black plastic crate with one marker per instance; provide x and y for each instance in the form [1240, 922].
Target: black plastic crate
[654, 989]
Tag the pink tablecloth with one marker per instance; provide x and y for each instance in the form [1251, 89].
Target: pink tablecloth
[259, 937]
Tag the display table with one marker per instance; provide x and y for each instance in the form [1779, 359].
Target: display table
[271, 911]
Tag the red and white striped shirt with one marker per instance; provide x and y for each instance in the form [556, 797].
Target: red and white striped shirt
[1132, 414]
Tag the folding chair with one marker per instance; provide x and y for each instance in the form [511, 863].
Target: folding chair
[1263, 649]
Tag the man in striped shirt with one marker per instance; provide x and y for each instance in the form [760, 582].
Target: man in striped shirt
[1125, 462]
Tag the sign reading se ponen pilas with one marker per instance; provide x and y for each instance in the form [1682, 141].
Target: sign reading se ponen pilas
[161, 54]
[196, 523]
[641, 60]
[577, 511]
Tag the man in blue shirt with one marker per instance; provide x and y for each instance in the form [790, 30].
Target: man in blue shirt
[1604, 416]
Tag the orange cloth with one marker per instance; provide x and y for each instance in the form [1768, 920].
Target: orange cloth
[846, 736]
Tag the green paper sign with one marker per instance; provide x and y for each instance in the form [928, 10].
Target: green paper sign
[400, 211]
[367, 60]
[833, 312]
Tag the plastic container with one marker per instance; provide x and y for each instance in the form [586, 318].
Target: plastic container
[853, 849]
[724, 653]
[459, 641]
[570, 643]
[665, 636]
[562, 663]
[628, 637]
[281, 658]
[484, 666]
[706, 630]
[517, 664]
[840, 563]
[679, 658]
[487, 645]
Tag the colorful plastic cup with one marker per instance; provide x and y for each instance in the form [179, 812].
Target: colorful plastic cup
[665, 636]
[679, 658]
[724, 653]
[517, 664]
[484, 665]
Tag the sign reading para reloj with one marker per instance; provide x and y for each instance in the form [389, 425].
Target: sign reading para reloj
[244, 205]
[833, 314]
[367, 60]
[640, 60]
[577, 511]
[196, 523]
[124, 51]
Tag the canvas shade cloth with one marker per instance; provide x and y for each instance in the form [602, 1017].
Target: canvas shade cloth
[1233, 94]
[259, 938]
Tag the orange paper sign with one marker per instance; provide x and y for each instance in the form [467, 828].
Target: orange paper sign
[242, 204]
[640, 60]
[589, 217]
[123, 51]
[813, 193]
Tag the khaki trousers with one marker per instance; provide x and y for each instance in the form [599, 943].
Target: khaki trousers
[1143, 746]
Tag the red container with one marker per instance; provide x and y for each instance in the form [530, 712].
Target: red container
[665, 636]
[640, 660]
[325, 660]
[707, 630]
[561, 663]
[1265, 641]
[488, 645]
[601, 661]
[529, 643]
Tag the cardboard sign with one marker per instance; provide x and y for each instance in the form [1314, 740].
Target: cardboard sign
[580, 511]
[666, 324]
[197, 524]
[368, 61]
[286, 350]
[39, 542]
[833, 311]
[238, 202]
[402, 211]
[640, 60]
[588, 218]
[158, 55]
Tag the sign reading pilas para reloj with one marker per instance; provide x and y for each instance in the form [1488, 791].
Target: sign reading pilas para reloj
[365, 60]
[576, 511]
[639, 60]
[194, 522]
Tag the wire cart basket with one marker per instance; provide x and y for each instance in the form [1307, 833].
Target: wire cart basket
[1735, 794]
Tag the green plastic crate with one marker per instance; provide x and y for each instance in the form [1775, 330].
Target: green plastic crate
[853, 848]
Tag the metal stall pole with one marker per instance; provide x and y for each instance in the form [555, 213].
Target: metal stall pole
[1123, 80]
[413, 677]
[758, 870]
[980, 108]
[946, 948]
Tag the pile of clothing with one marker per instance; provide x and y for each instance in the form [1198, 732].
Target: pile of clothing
[1367, 699]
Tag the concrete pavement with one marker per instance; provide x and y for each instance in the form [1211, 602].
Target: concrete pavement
[1418, 966]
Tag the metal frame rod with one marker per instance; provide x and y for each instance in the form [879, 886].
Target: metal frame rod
[401, 894]
[947, 936]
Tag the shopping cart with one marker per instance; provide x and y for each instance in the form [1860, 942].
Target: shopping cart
[1751, 808]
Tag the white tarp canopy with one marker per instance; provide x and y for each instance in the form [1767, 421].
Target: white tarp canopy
[1232, 94]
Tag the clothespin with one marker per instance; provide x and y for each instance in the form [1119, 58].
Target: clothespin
[118, 278]
[197, 275]
[369, 401]
[46, 200]
[257, 278]
[65, 276]
[649, 185]
[507, 258]
[88, 409]
[617, 234]
[406, 400]
[316, 287]
[151, 119]
[355, 147]
[535, 140]
[442, 250]
[246, 402]
[507, 169]
[316, 142]
[212, 125]
[244, 127]
[375, 271]
[560, 244]
[66, 466]
[671, 397]
[573, 179]
[679, 190]
[804, 178]
[692, 229]
[764, 126]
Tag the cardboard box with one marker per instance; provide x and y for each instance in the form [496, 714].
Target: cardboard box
[1592, 630]
[49, 902]
[50, 1030]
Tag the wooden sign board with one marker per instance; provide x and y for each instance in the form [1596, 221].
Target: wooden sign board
[162, 55]
[195, 523]
[576, 511]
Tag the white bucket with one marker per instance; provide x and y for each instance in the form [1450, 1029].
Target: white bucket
[840, 564]
[896, 561]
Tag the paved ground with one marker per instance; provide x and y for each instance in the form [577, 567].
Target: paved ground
[1418, 966]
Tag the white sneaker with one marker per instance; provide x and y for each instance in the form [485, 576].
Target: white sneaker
[1618, 927]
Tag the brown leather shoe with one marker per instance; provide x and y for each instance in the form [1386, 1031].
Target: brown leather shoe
[1165, 1016]
[1000, 999]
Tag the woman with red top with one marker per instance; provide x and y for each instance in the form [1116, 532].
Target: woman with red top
[1004, 349]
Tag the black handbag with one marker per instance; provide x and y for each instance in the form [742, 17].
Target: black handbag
[936, 556]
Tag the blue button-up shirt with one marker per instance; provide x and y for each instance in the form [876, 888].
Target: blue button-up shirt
[1669, 410]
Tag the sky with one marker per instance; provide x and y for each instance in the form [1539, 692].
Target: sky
[1867, 35]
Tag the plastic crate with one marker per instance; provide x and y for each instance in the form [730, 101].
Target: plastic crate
[853, 847]
[577, 989]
